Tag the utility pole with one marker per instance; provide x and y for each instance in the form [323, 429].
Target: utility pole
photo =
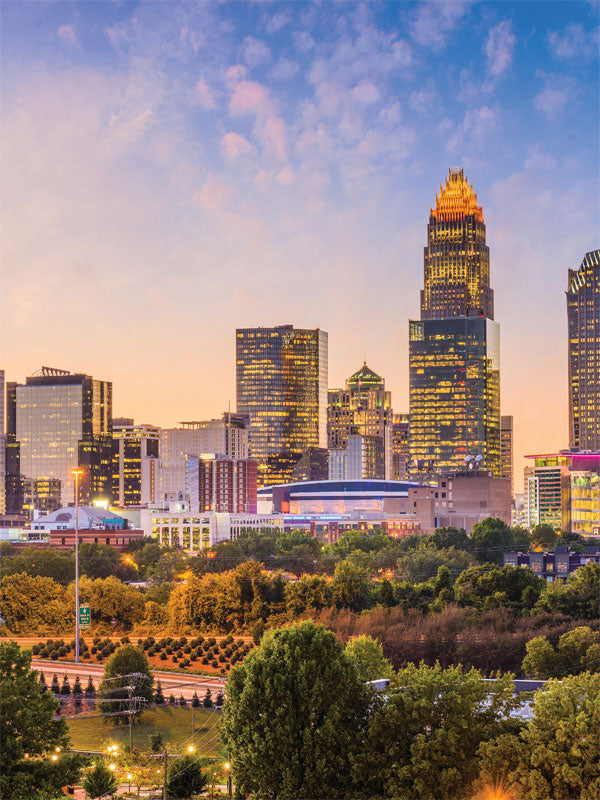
[165, 758]
[77, 472]
[130, 717]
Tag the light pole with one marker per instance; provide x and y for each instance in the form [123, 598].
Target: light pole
[77, 472]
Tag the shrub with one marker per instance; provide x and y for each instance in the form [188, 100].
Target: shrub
[85, 655]
[54, 655]
[179, 653]
[94, 650]
[172, 700]
[204, 660]
[99, 657]
[163, 656]
[174, 659]
[187, 649]
[193, 657]
[168, 649]
[222, 658]
[106, 651]
[124, 639]
[211, 642]
[44, 653]
[36, 649]
[214, 663]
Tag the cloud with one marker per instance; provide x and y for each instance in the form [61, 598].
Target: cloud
[365, 93]
[213, 195]
[285, 176]
[274, 22]
[434, 21]
[273, 137]
[67, 34]
[284, 69]
[304, 41]
[477, 126]
[574, 42]
[422, 100]
[558, 91]
[234, 145]
[255, 52]
[537, 161]
[204, 96]
[499, 48]
[250, 97]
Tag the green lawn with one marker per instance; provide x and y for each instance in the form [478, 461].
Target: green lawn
[175, 725]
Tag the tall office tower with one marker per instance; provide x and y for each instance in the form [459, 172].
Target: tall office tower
[281, 382]
[227, 436]
[217, 483]
[400, 439]
[2, 447]
[583, 311]
[363, 408]
[134, 462]
[58, 421]
[506, 451]
[454, 349]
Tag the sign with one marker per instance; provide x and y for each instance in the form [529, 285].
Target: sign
[85, 616]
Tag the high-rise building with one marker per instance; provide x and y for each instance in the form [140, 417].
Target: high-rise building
[227, 436]
[58, 421]
[583, 311]
[134, 461]
[454, 349]
[400, 443]
[506, 451]
[547, 489]
[2, 447]
[281, 386]
[217, 483]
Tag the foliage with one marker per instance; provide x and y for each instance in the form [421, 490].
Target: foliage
[367, 655]
[34, 604]
[490, 538]
[419, 565]
[27, 726]
[289, 734]
[186, 777]
[350, 586]
[422, 737]
[577, 650]
[45, 562]
[100, 781]
[110, 599]
[578, 596]
[98, 560]
[543, 537]
[507, 585]
[125, 661]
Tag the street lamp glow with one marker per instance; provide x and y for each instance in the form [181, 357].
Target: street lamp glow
[227, 765]
[112, 767]
[191, 748]
[54, 757]
[129, 776]
[77, 473]
[57, 749]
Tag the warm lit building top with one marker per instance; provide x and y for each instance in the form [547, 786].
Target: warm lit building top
[135, 459]
[281, 386]
[57, 421]
[457, 259]
[583, 311]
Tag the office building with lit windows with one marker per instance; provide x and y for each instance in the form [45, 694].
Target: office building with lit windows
[2, 447]
[454, 349]
[57, 421]
[362, 410]
[400, 446]
[221, 484]
[281, 386]
[506, 451]
[583, 312]
[134, 461]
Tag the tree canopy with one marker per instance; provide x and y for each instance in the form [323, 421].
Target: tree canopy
[127, 660]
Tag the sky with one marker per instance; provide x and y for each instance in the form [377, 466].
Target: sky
[173, 171]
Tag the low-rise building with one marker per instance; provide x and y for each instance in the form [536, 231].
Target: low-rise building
[553, 565]
[462, 499]
[120, 538]
[89, 517]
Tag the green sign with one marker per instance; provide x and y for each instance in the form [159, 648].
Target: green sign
[85, 616]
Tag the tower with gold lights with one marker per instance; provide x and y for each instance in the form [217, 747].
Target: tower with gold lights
[454, 349]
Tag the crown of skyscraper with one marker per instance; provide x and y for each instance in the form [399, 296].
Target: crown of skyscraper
[456, 199]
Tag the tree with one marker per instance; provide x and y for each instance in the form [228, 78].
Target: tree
[422, 564]
[350, 586]
[125, 661]
[513, 584]
[577, 650]
[557, 754]
[98, 560]
[45, 562]
[578, 597]
[422, 737]
[367, 655]
[543, 537]
[156, 742]
[186, 777]
[27, 726]
[100, 782]
[489, 539]
[110, 599]
[293, 716]
[33, 605]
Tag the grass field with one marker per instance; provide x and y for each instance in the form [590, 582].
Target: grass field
[174, 724]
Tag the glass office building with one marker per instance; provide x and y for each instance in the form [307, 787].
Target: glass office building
[454, 349]
[134, 461]
[281, 386]
[583, 312]
[57, 421]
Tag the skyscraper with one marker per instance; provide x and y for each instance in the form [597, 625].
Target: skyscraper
[281, 386]
[400, 451]
[57, 421]
[506, 451]
[583, 311]
[363, 408]
[2, 447]
[135, 460]
[454, 349]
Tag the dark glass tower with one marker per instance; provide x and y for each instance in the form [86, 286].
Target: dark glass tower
[583, 311]
[454, 349]
[281, 386]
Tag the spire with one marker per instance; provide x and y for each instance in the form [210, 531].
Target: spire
[456, 199]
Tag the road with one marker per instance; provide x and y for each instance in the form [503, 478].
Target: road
[171, 682]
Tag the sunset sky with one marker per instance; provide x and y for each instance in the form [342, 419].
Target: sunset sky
[171, 171]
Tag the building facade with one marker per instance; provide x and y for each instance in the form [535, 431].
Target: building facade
[547, 489]
[2, 446]
[454, 349]
[227, 436]
[462, 499]
[57, 421]
[507, 466]
[554, 565]
[221, 484]
[583, 312]
[585, 503]
[400, 446]
[134, 462]
[281, 386]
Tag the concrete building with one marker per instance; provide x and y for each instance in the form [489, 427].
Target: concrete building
[135, 461]
[462, 499]
[507, 470]
[221, 484]
[228, 435]
[89, 517]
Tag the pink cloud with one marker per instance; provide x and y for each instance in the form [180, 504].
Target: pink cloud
[274, 137]
[213, 195]
[67, 34]
[250, 98]
[235, 73]
[204, 94]
[234, 145]
[365, 93]
[286, 176]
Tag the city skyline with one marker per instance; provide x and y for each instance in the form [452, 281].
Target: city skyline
[240, 166]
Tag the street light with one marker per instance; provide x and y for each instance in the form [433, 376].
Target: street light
[129, 777]
[54, 757]
[77, 472]
[112, 767]
[229, 787]
[191, 748]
